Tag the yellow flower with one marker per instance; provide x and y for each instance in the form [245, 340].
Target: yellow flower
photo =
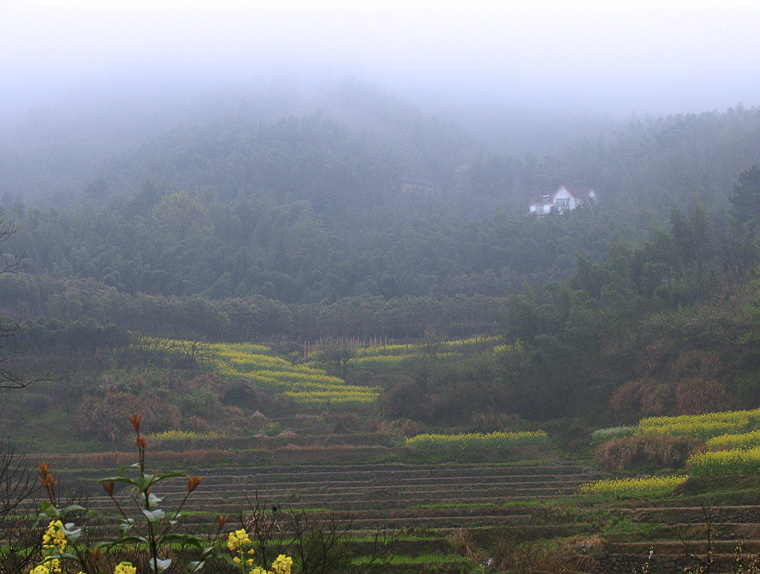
[49, 566]
[125, 568]
[238, 539]
[54, 536]
[236, 560]
[282, 564]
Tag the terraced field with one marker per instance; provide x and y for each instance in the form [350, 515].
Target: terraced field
[390, 495]
[427, 506]
[369, 482]
[423, 504]
[686, 533]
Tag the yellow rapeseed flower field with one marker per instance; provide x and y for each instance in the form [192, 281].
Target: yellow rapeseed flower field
[478, 440]
[649, 487]
[702, 426]
[305, 384]
[739, 440]
[725, 462]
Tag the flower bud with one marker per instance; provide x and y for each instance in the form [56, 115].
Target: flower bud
[193, 483]
[108, 486]
[44, 469]
[136, 419]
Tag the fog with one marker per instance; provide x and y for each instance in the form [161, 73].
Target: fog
[475, 60]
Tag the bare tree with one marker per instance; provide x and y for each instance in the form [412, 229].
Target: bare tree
[20, 540]
[338, 354]
[10, 377]
[13, 373]
[319, 543]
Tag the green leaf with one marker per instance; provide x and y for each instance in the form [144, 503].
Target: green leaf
[126, 526]
[171, 475]
[153, 500]
[154, 515]
[123, 479]
[73, 508]
[73, 534]
[195, 566]
[67, 555]
[49, 509]
[145, 482]
[163, 564]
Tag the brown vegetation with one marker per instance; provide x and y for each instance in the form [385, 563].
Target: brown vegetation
[645, 451]
[102, 416]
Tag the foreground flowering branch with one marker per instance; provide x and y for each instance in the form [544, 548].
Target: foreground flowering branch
[154, 532]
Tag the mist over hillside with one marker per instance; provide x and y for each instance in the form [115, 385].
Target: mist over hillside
[59, 150]
[120, 143]
[338, 190]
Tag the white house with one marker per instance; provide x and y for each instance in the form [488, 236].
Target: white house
[564, 199]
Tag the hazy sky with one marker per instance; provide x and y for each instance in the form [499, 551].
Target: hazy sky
[614, 56]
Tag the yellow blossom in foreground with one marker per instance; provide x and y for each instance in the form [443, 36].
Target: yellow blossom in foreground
[282, 564]
[54, 536]
[238, 539]
[49, 566]
[125, 568]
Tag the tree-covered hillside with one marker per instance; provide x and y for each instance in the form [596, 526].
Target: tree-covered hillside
[388, 203]
[371, 219]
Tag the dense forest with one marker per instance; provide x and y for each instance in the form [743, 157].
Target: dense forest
[370, 219]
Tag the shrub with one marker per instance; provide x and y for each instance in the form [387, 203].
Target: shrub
[645, 451]
[402, 428]
[309, 421]
[343, 422]
[641, 397]
[242, 394]
[696, 396]
[602, 435]
[100, 416]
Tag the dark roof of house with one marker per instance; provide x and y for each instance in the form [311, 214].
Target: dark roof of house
[541, 198]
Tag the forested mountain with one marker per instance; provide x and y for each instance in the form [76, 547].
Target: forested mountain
[371, 219]
[389, 203]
